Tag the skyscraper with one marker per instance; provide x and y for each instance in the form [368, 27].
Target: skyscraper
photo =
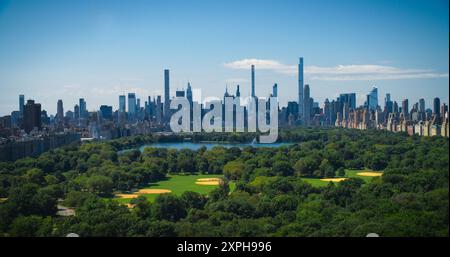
[76, 112]
[421, 105]
[437, 106]
[327, 111]
[306, 105]
[106, 112]
[395, 107]
[60, 110]
[349, 98]
[405, 108]
[21, 104]
[253, 81]
[166, 95]
[275, 90]
[32, 116]
[300, 87]
[388, 103]
[189, 93]
[131, 104]
[372, 99]
[83, 110]
[122, 104]
[238, 93]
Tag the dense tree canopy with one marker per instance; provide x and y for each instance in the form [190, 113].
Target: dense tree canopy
[272, 196]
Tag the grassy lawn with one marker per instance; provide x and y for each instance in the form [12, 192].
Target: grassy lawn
[179, 184]
[348, 174]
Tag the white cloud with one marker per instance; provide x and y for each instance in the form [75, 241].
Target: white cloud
[340, 72]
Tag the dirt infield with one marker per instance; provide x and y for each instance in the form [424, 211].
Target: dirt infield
[127, 196]
[333, 179]
[208, 181]
[153, 191]
[130, 206]
[369, 174]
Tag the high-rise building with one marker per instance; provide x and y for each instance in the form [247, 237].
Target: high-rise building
[238, 93]
[444, 110]
[21, 104]
[32, 116]
[300, 87]
[405, 108]
[253, 81]
[189, 93]
[166, 95]
[122, 103]
[372, 99]
[76, 112]
[327, 111]
[388, 103]
[275, 90]
[83, 110]
[395, 107]
[349, 98]
[158, 112]
[437, 106]
[106, 112]
[131, 104]
[60, 110]
[421, 105]
[306, 105]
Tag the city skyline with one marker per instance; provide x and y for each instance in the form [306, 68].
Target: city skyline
[96, 51]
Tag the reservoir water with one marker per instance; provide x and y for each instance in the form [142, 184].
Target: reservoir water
[208, 145]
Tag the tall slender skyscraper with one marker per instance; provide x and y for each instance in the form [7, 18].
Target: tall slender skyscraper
[300, 88]
[60, 110]
[83, 110]
[76, 112]
[253, 81]
[405, 108]
[437, 106]
[189, 92]
[122, 103]
[275, 90]
[166, 95]
[306, 105]
[21, 104]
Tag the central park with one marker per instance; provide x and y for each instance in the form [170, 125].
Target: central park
[312, 182]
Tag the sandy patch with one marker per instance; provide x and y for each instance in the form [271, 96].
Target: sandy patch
[208, 181]
[369, 174]
[127, 196]
[129, 205]
[153, 191]
[333, 179]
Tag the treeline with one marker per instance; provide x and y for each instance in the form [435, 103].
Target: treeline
[270, 199]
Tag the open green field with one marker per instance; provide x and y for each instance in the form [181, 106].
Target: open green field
[348, 174]
[179, 184]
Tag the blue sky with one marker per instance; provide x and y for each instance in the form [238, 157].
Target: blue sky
[52, 50]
